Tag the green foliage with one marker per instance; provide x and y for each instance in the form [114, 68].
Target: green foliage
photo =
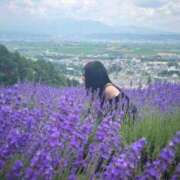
[158, 129]
[15, 68]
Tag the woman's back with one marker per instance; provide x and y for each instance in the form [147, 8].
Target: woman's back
[113, 94]
[97, 80]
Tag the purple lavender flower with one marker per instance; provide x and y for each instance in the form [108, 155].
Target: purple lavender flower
[176, 174]
[15, 171]
[156, 169]
[124, 166]
[59, 132]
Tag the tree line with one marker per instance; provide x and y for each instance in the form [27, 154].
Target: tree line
[16, 68]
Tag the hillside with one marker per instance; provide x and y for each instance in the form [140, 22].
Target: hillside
[16, 68]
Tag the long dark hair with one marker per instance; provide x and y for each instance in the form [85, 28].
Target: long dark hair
[96, 77]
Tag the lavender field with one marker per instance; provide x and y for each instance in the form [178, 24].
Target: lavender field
[59, 133]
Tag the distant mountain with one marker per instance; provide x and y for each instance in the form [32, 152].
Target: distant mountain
[60, 27]
[71, 29]
[70, 26]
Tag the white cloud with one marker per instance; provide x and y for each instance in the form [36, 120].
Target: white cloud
[151, 3]
[152, 13]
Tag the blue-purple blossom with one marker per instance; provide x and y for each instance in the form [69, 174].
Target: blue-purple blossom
[123, 166]
[176, 174]
[48, 133]
[156, 169]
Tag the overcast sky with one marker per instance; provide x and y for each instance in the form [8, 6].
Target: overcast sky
[157, 14]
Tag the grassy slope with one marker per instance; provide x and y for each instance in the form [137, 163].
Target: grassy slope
[156, 128]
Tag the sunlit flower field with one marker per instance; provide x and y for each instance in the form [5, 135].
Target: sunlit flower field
[60, 133]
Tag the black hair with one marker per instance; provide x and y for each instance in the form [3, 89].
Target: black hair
[96, 77]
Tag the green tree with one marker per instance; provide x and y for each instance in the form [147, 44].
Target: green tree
[14, 68]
